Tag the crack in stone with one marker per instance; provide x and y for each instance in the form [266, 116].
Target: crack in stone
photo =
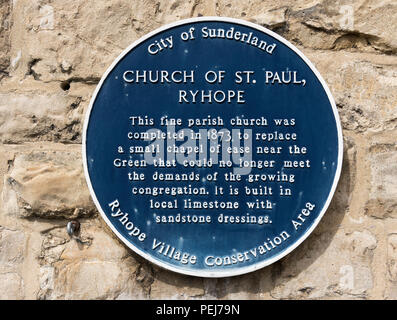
[30, 71]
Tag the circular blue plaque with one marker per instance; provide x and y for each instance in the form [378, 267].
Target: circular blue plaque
[212, 147]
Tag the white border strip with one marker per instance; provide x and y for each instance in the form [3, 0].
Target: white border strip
[259, 265]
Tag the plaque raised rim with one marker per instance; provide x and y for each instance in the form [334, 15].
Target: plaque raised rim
[239, 270]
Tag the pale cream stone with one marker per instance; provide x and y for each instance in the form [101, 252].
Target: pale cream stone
[363, 101]
[47, 184]
[392, 257]
[11, 286]
[12, 247]
[168, 285]
[89, 280]
[103, 247]
[37, 116]
[383, 193]
[271, 18]
[334, 266]
[5, 29]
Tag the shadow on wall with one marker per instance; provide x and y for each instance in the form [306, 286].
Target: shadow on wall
[164, 284]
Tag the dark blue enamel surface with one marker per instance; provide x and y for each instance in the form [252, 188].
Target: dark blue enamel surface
[316, 128]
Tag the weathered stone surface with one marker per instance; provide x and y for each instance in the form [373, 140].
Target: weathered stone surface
[12, 247]
[11, 286]
[392, 257]
[90, 280]
[54, 26]
[48, 184]
[93, 267]
[363, 86]
[97, 32]
[12, 254]
[168, 285]
[345, 25]
[248, 286]
[324, 24]
[328, 265]
[36, 116]
[392, 266]
[57, 26]
[5, 27]
[272, 18]
[382, 201]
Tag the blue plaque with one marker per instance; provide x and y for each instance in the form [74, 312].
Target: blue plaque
[212, 147]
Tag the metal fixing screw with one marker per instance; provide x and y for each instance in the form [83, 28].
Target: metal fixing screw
[73, 228]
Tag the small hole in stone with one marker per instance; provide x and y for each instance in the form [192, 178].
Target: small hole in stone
[65, 85]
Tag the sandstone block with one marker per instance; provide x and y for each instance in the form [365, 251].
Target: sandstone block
[382, 201]
[77, 41]
[392, 257]
[89, 280]
[5, 28]
[39, 116]
[96, 266]
[12, 247]
[325, 266]
[363, 86]
[168, 285]
[391, 292]
[11, 286]
[48, 184]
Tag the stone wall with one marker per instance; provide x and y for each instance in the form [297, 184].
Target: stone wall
[53, 53]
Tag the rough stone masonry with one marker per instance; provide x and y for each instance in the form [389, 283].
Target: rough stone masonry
[52, 55]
